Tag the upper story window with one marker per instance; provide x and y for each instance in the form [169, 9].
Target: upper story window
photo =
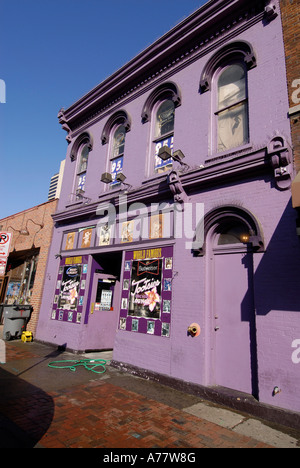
[164, 133]
[117, 152]
[226, 74]
[80, 153]
[232, 108]
[82, 167]
[114, 134]
[160, 110]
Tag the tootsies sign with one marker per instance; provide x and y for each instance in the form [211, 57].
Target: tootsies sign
[145, 288]
[69, 290]
[147, 291]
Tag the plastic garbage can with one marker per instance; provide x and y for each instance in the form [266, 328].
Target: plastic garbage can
[16, 318]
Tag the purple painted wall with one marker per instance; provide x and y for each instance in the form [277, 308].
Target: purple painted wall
[249, 178]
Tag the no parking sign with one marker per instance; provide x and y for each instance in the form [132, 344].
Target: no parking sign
[5, 240]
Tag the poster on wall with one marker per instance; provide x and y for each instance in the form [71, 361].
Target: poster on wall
[69, 287]
[145, 288]
[13, 291]
[156, 226]
[70, 241]
[127, 231]
[104, 234]
[86, 238]
[146, 301]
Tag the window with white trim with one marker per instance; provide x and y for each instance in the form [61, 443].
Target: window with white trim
[83, 156]
[164, 133]
[232, 123]
[117, 152]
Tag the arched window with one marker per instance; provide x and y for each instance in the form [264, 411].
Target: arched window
[114, 134]
[82, 167]
[80, 153]
[164, 133]
[160, 110]
[232, 107]
[117, 152]
[226, 76]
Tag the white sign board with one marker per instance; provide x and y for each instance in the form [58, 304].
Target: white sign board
[5, 240]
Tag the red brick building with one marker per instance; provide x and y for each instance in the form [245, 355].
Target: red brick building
[290, 14]
[31, 237]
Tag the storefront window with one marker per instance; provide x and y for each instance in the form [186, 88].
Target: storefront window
[147, 291]
[21, 283]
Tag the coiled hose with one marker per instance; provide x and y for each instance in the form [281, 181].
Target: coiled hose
[89, 364]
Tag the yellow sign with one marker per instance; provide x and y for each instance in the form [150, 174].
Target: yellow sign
[73, 260]
[147, 253]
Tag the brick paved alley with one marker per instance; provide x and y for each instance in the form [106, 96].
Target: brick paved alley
[57, 408]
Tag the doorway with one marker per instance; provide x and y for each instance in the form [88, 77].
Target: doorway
[234, 355]
[105, 301]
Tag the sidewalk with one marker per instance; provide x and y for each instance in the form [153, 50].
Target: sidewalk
[46, 407]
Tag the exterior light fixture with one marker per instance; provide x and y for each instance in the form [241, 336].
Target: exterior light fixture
[22, 232]
[106, 178]
[178, 157]
[165, 153]
[255, 240]
[120, 177]
[79, 193]
[244, 238]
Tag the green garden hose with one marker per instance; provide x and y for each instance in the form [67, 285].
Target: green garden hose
[89, 364]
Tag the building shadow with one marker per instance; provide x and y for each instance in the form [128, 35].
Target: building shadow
[26, 412]
[277, 277]
[273, 281]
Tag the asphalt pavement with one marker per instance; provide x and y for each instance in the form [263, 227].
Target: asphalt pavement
[82, 401]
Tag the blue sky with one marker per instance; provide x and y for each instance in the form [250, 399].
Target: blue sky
[52, 52]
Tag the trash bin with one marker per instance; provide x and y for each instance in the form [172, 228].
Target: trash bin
[16, 318]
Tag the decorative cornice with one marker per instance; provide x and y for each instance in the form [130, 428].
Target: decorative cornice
[203, 31]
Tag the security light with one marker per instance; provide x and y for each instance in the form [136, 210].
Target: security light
[120, 177]
[165, 153]
[106, 178]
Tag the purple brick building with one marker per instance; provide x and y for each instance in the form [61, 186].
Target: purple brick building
[175, 240]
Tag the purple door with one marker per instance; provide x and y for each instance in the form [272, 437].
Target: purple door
[104, 311]
[233, 319]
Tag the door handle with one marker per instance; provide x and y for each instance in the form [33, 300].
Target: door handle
[217, 328]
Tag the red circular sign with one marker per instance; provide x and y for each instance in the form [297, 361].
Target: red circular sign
[3, 238]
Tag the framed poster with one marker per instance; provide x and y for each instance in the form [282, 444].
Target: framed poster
[86, 238]
[104, 234]
[69, 287]
[127, 231]
[146, 299]
[156, 226]
[145, 288]
[70, 241]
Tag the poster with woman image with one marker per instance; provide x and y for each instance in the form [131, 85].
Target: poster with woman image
[69, 288]
[145, 288]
